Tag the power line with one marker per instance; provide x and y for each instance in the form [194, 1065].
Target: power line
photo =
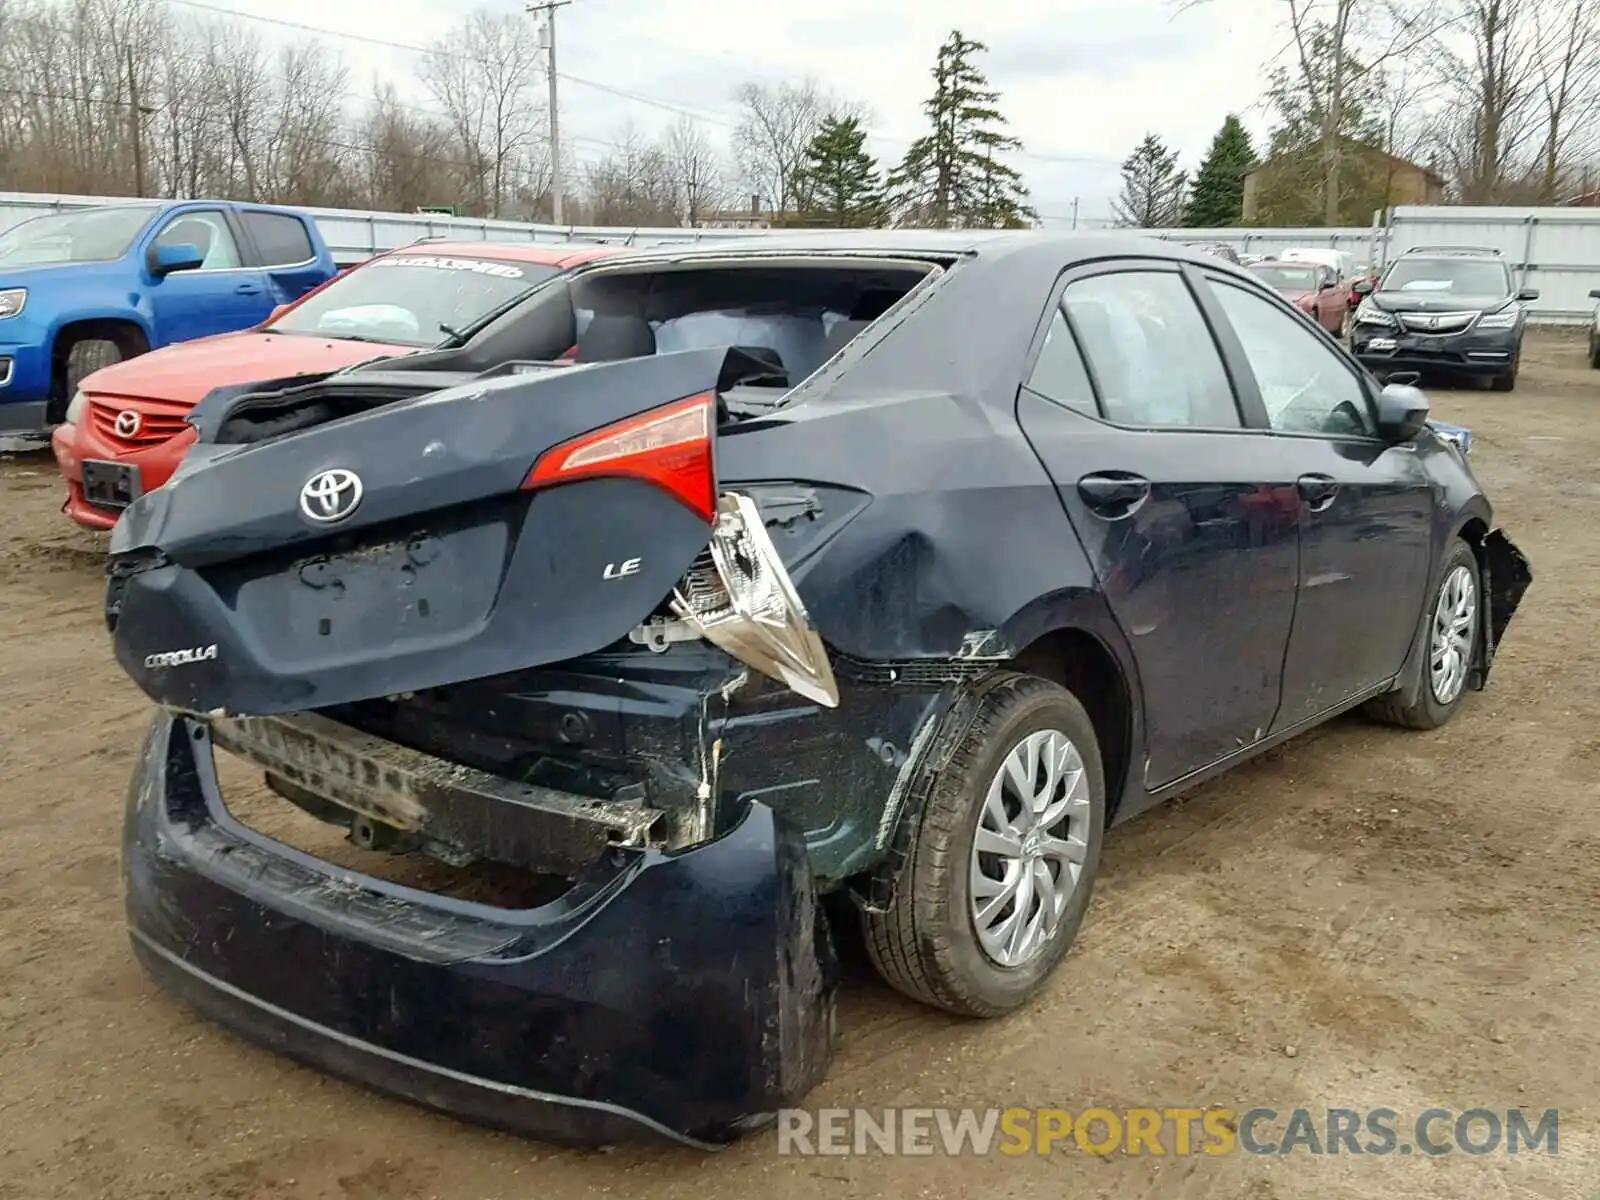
[435, 52]
[699, 114]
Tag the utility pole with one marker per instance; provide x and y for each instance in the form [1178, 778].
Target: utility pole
[548, 8]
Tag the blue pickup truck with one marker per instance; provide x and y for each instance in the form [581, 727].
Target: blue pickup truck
[83, 289]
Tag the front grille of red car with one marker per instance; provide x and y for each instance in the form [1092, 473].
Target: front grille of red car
[154, 427]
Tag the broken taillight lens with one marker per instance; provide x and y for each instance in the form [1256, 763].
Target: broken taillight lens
[669, 447]
[739, 597]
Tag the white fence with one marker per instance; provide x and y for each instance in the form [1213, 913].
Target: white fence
[1556, 250]
[354, 236]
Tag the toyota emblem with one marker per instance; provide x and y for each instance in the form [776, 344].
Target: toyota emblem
[128, 424]
[330, 496]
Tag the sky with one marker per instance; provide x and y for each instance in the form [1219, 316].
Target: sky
[1080, 81]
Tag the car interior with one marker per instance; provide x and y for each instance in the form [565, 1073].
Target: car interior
[781, 321]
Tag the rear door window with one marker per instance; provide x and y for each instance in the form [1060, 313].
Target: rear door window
[1059, 373]
[1151, 354]
[281, 240]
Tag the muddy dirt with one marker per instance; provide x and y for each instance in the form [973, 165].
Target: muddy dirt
[1365, 918]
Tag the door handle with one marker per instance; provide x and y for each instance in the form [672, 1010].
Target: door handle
[1318, 491]
[1113, 496]
[247, 289]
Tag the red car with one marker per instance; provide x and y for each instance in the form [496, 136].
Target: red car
[1313, 288]
[126, 429]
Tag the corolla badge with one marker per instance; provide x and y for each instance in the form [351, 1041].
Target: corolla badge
[181, 658]
[330, 496]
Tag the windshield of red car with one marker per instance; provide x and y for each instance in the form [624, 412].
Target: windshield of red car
[412, 299]
[1286, 279]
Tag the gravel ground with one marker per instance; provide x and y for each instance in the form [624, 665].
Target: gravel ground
[1365, 917]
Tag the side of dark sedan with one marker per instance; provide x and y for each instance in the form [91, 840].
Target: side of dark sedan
[892, 565]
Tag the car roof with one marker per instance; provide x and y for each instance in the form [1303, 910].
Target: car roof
[987, 244]
[550, 254]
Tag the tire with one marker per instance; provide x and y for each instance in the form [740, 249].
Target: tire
[927, 944]
[85, 355]
[1594, 351]
[1430, 711]
[1508, 381]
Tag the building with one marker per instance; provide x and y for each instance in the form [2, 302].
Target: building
[1373, 179]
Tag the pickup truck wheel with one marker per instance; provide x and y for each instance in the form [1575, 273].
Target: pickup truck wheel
[87, 357]
[1003, 859]
[88, 349]
[1594, 351]
[1449, 639]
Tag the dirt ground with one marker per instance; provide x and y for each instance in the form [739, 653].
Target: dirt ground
[1365, 918]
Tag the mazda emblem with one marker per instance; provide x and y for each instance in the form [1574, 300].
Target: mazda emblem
[330, 496]
[128, 424]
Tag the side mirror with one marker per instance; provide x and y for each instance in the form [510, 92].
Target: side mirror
[1362, 287]
[1594, 293]
[1402, 411]
[1528, 294]
[178, 256]
[276, 313]
[1327, 285]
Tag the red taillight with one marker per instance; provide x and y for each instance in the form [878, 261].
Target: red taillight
[668, 446]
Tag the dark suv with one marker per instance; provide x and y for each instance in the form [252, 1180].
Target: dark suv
[1444, 310]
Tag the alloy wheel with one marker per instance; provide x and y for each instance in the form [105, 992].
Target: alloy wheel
[1029, 848]
[1454, 623]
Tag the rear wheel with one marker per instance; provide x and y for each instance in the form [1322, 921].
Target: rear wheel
[1004, 858]
[1450, 642]
[1594, 351]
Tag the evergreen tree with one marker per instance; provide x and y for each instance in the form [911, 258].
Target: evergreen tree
[1218, 196]
[954, 176]
[1153, 188]
[838, 184]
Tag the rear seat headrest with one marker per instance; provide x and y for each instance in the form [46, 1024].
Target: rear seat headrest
[608, 338]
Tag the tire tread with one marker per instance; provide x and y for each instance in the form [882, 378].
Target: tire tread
[909, 941]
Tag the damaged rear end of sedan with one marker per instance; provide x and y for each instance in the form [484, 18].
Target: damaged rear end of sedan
[505, 614]
[802, 579]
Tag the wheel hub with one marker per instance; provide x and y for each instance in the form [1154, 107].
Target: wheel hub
[1029, 847]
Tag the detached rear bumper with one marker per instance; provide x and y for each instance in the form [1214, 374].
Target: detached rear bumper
[684, 997]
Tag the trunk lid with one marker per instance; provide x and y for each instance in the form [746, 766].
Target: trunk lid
[400, 550]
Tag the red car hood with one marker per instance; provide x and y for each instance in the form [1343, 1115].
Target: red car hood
[184, 373]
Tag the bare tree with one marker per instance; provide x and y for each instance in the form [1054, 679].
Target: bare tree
[1491, 119]
[776, 125]
[404, 151]
[304, 148]
[1567, 52]
[1362, 37]
[484, 76]
[633, 185]
[695, 167]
